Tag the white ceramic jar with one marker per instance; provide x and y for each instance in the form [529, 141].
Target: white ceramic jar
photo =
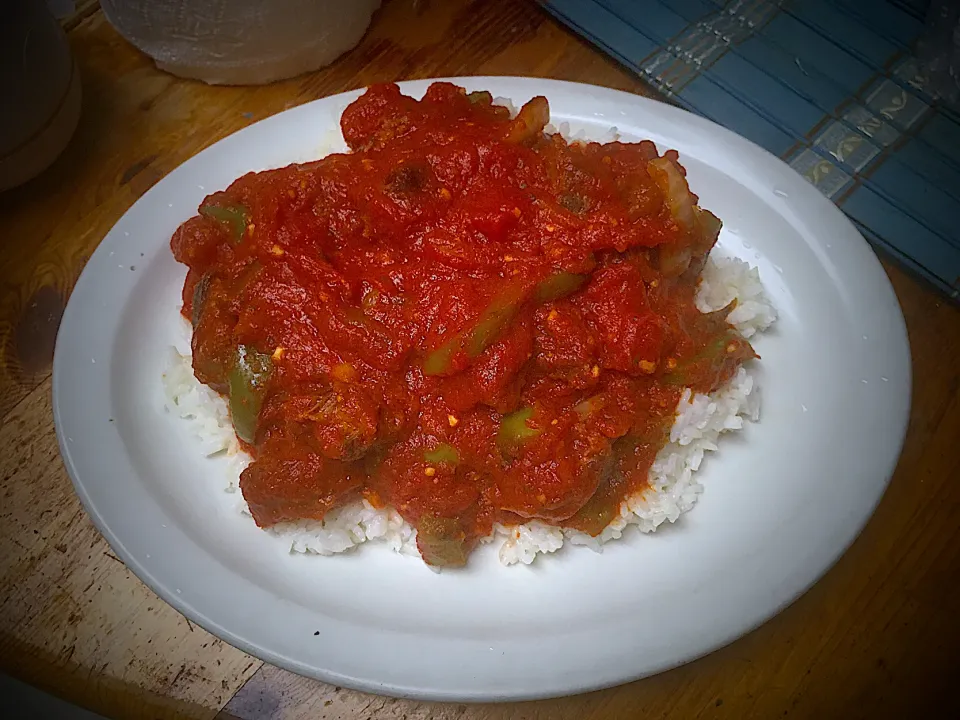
[241, 42]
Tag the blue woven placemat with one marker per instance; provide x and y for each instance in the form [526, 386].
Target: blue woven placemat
[830, 86]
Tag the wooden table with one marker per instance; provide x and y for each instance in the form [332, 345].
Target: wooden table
[879, 636]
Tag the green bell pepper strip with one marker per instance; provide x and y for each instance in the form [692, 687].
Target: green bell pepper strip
[514, 429]
[442, 542]
[481, 97]
[493, 322]
[604, 505]
[559, 285]
[598, 512]
[247, 381]
[200, 291]
[475, 340]
[443, 453]
[495, 319]
[234, 215]
[441, 359]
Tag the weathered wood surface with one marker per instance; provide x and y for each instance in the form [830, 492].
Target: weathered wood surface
[877, 637]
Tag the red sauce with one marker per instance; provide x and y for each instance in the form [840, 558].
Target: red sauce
[463, 318]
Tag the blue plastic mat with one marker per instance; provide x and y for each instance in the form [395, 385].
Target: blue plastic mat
[830, 86]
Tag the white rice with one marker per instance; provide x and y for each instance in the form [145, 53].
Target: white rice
[673, 489]
[727, 279]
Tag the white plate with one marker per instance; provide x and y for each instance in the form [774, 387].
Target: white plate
[781, 503]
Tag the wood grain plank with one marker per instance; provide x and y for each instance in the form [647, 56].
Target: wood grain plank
[274, 694]
[73, 619]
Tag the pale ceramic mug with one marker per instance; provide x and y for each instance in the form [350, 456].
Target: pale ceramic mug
[241, 42]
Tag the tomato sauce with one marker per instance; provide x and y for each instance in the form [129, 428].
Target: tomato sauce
[464, 318]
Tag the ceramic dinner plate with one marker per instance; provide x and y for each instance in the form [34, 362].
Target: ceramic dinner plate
[783, 499]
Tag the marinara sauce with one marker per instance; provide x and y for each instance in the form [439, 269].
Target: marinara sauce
[464, 318]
